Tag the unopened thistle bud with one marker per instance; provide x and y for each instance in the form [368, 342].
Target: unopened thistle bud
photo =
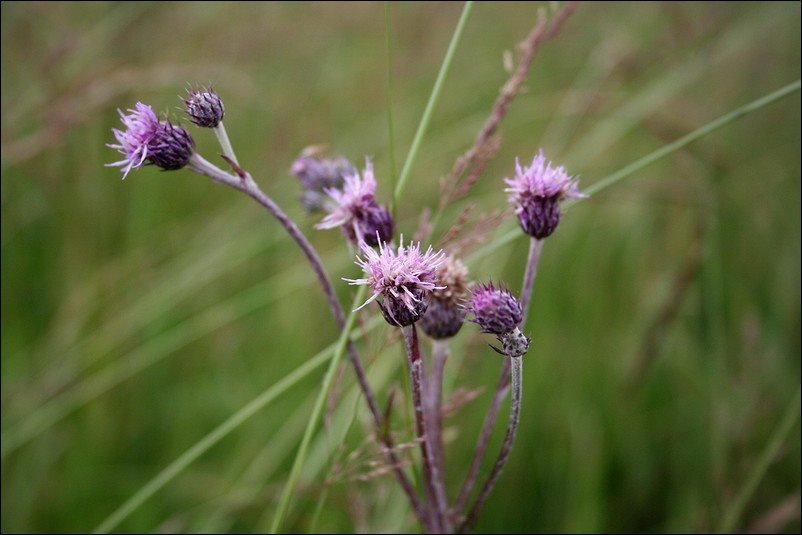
[536, 192]
[446, 314]
[204, 107]
[357, 212]
[146, 140]
[404, 279]
[498, 312]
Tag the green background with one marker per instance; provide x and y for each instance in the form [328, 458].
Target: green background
[138, 315]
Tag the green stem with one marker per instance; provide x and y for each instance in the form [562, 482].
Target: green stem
[390, 135]
[712, 126]
[433, 98]
[319, 507]
[785, 426]
[327, 483]
[300, 457]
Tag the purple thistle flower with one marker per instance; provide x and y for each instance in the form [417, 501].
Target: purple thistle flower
[536, 192]
[498, 312]
[204, 107]
[317, 174]
[141, 125]
[495, 310]
[357, 212]
[404, 278]
[147, 140]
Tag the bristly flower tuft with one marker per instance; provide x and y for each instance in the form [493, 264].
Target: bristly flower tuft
[147, 140]
[404, 278]
[357, 212]
[204, 107]
[536, 192]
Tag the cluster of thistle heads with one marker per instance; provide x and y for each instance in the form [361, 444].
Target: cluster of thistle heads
[430, 288]
[150, 140]
[410, 285]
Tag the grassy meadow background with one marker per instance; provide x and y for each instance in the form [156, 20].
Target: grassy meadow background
[139, 315]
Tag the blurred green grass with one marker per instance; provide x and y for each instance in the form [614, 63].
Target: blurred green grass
[631, 422]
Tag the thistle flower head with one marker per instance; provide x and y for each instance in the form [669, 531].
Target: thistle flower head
[453, 275]
[316, 171]
[536, 192]
[171, 147]
[356, 210]
[498, 312]
[541, 180]
[148, 140]
[318, 174]
[204, 107]
[445, 314]
[495, 310]
[356, 195]
[404, 278]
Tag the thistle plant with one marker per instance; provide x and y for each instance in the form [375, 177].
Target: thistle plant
[409, 285]
[498, 312]
[404, 279]
[149, 140]
[535, 193]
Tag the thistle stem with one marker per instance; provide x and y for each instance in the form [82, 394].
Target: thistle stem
[225, 143]
[247, 185]
[435, 418]
[434, 491]
[535, 248]
[516, 365]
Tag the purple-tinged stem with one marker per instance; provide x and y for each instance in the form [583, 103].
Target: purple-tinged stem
[516, 366]
[435, 418]
[434, 492]
[535, 248]
[245, 183]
